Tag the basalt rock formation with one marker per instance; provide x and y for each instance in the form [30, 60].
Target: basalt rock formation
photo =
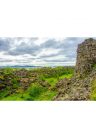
[79, 87]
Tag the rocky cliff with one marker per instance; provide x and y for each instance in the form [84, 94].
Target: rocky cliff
[86, 57]
[82, 85]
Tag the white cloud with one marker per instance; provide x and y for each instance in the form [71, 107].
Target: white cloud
[38, 51]
[48, 52]
[40, 41]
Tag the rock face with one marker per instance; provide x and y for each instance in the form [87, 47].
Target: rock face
[86, 57]
[79, 86]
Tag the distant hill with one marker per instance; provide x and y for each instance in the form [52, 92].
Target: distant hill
[18, 66]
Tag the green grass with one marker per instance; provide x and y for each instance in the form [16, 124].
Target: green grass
[94, 66]
[46, 96]
[35, 90]
[13, 98]
[14, 91]
[4, 93]
[37, 93]
[93, 92]
[52, 81]
[66, 76]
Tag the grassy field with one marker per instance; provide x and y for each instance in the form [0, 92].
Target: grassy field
[31, 84]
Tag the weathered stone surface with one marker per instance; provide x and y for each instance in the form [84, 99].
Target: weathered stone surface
[79, 87]
[86, 57]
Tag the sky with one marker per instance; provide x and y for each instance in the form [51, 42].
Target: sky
[36, 51]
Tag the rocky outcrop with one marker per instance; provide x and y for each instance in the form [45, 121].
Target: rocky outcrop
[79, 87]
[86, 57]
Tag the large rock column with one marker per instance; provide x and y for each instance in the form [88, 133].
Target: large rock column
[86, 57]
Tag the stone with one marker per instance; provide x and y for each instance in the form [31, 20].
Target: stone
[79, 86]
[86, 57]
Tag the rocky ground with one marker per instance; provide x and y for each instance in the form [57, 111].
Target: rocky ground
[76, 88]
[82, 86]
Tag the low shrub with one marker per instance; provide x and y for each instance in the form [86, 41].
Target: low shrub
[35, 90]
